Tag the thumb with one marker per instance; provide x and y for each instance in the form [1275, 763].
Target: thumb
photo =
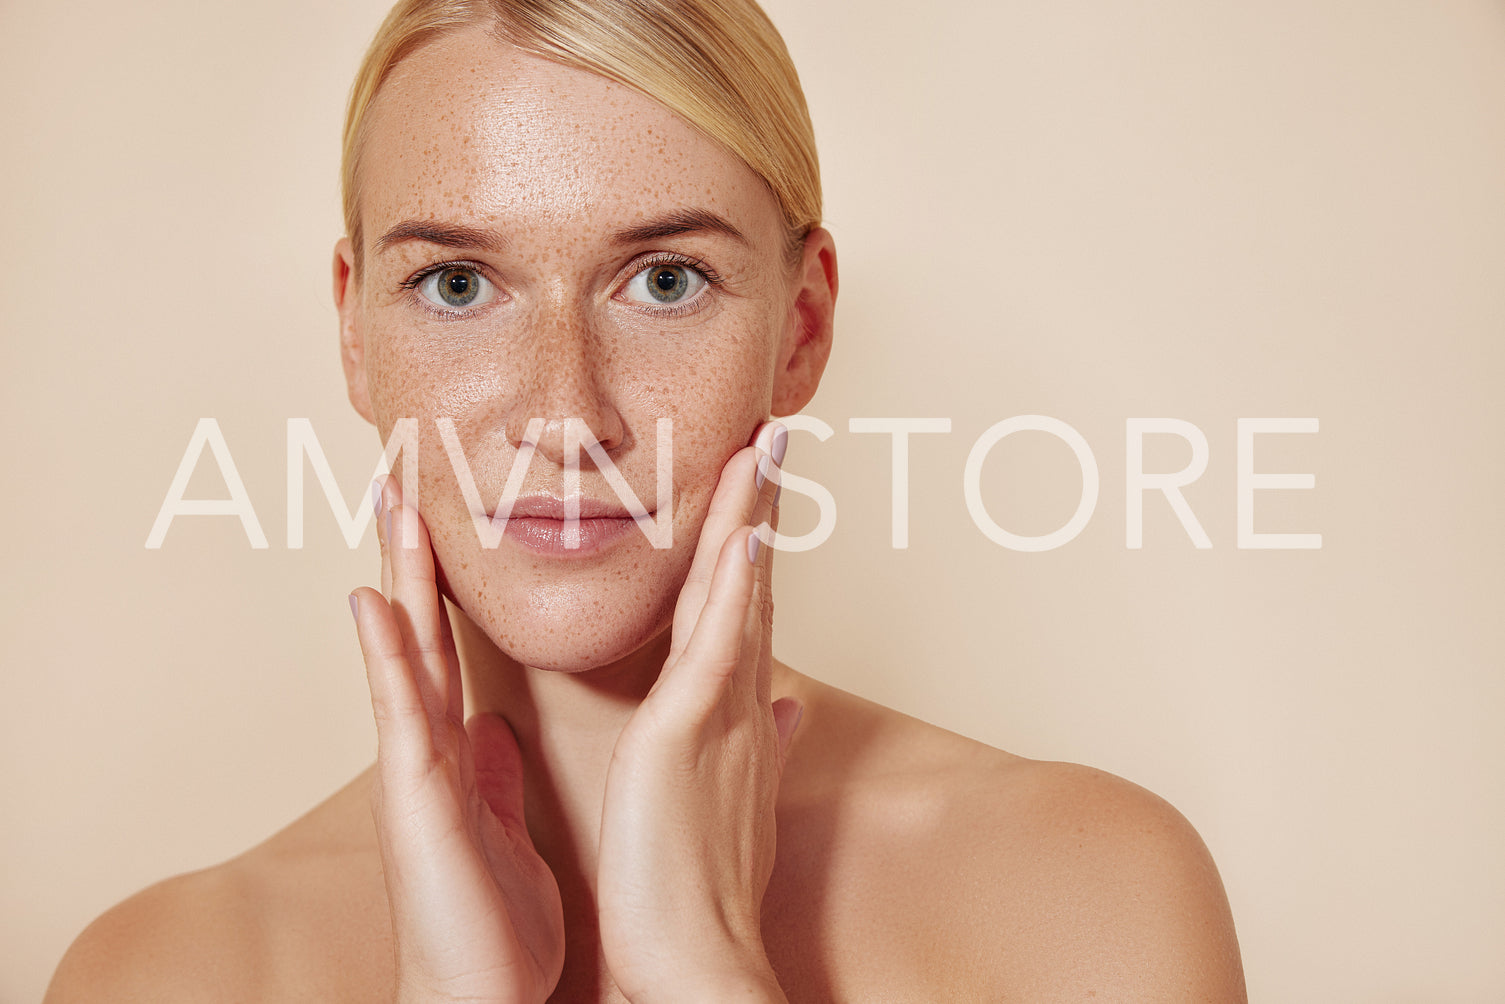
[787, 712]
[499, 767]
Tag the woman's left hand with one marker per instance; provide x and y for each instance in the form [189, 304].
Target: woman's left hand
[687, 830]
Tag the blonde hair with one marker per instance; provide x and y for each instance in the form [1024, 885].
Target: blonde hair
[718, 64]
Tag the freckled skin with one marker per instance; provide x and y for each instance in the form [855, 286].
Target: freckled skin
[551, 160]
[912, 864]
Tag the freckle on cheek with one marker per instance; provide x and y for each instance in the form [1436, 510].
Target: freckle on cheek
[510, 161]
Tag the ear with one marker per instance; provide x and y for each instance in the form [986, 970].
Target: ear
[807, 337]
[347, 298]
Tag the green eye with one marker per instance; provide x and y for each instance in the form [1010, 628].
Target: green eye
[665, 284]
[455, 287]
[668, 283]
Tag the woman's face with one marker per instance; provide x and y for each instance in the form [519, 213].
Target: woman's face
[543, 244]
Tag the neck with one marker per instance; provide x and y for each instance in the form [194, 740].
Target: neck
[566, 724]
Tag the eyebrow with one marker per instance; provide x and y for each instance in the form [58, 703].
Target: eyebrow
[450, 235]
[675, 223]
[453, 235]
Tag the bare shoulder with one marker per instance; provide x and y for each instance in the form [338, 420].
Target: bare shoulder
[255, 927]
[1102, 886]
[1037, 880]
[189, 938]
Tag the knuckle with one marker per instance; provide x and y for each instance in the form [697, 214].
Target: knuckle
[382, 711]
[388, 710]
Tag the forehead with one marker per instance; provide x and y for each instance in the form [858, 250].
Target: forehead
[469, 128]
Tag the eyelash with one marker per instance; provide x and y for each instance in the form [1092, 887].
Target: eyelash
[712, 278]
[416, 279]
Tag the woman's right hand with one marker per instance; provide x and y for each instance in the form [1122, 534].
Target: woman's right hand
[476, 914]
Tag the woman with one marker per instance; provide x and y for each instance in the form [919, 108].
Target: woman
[594, 229]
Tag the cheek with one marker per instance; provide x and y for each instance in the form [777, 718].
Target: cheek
[413, 376]
[716, 395]
[408, 376]
[714, 384]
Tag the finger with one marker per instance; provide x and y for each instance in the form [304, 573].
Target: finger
[770, 444]
[714, 650]
[446, 699]
[455, 707]
[379, 488]
[403, 740]
[498, 769]
[787, 712]
[773, 440]
[731, 507]
[384, 500]
[757, 639]
[768, 482]
[419, 611]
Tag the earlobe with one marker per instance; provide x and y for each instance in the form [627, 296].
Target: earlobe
[352, 344]
[807, 341]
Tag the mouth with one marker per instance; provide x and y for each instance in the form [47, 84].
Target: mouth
[568, 527]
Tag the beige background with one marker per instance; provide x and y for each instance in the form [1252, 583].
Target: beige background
[1087, 210]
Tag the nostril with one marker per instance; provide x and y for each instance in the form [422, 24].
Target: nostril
[533, 429]
[563, 439]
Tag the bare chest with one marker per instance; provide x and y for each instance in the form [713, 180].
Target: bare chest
[335, 945]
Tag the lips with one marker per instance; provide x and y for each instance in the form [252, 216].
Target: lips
[542, 525]
[548, 507]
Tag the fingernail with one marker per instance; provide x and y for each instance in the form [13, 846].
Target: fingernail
[754, 545]
[764, 439]
[798, 717]
[762, 476]
[355, 608]
[777, 492]
[376, 496]
[780, 443]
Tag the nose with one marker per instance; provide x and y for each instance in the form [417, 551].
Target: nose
[560, 369]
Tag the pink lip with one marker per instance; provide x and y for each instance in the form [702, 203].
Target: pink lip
[541, 524]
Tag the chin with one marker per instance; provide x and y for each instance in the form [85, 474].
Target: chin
[572, 627]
